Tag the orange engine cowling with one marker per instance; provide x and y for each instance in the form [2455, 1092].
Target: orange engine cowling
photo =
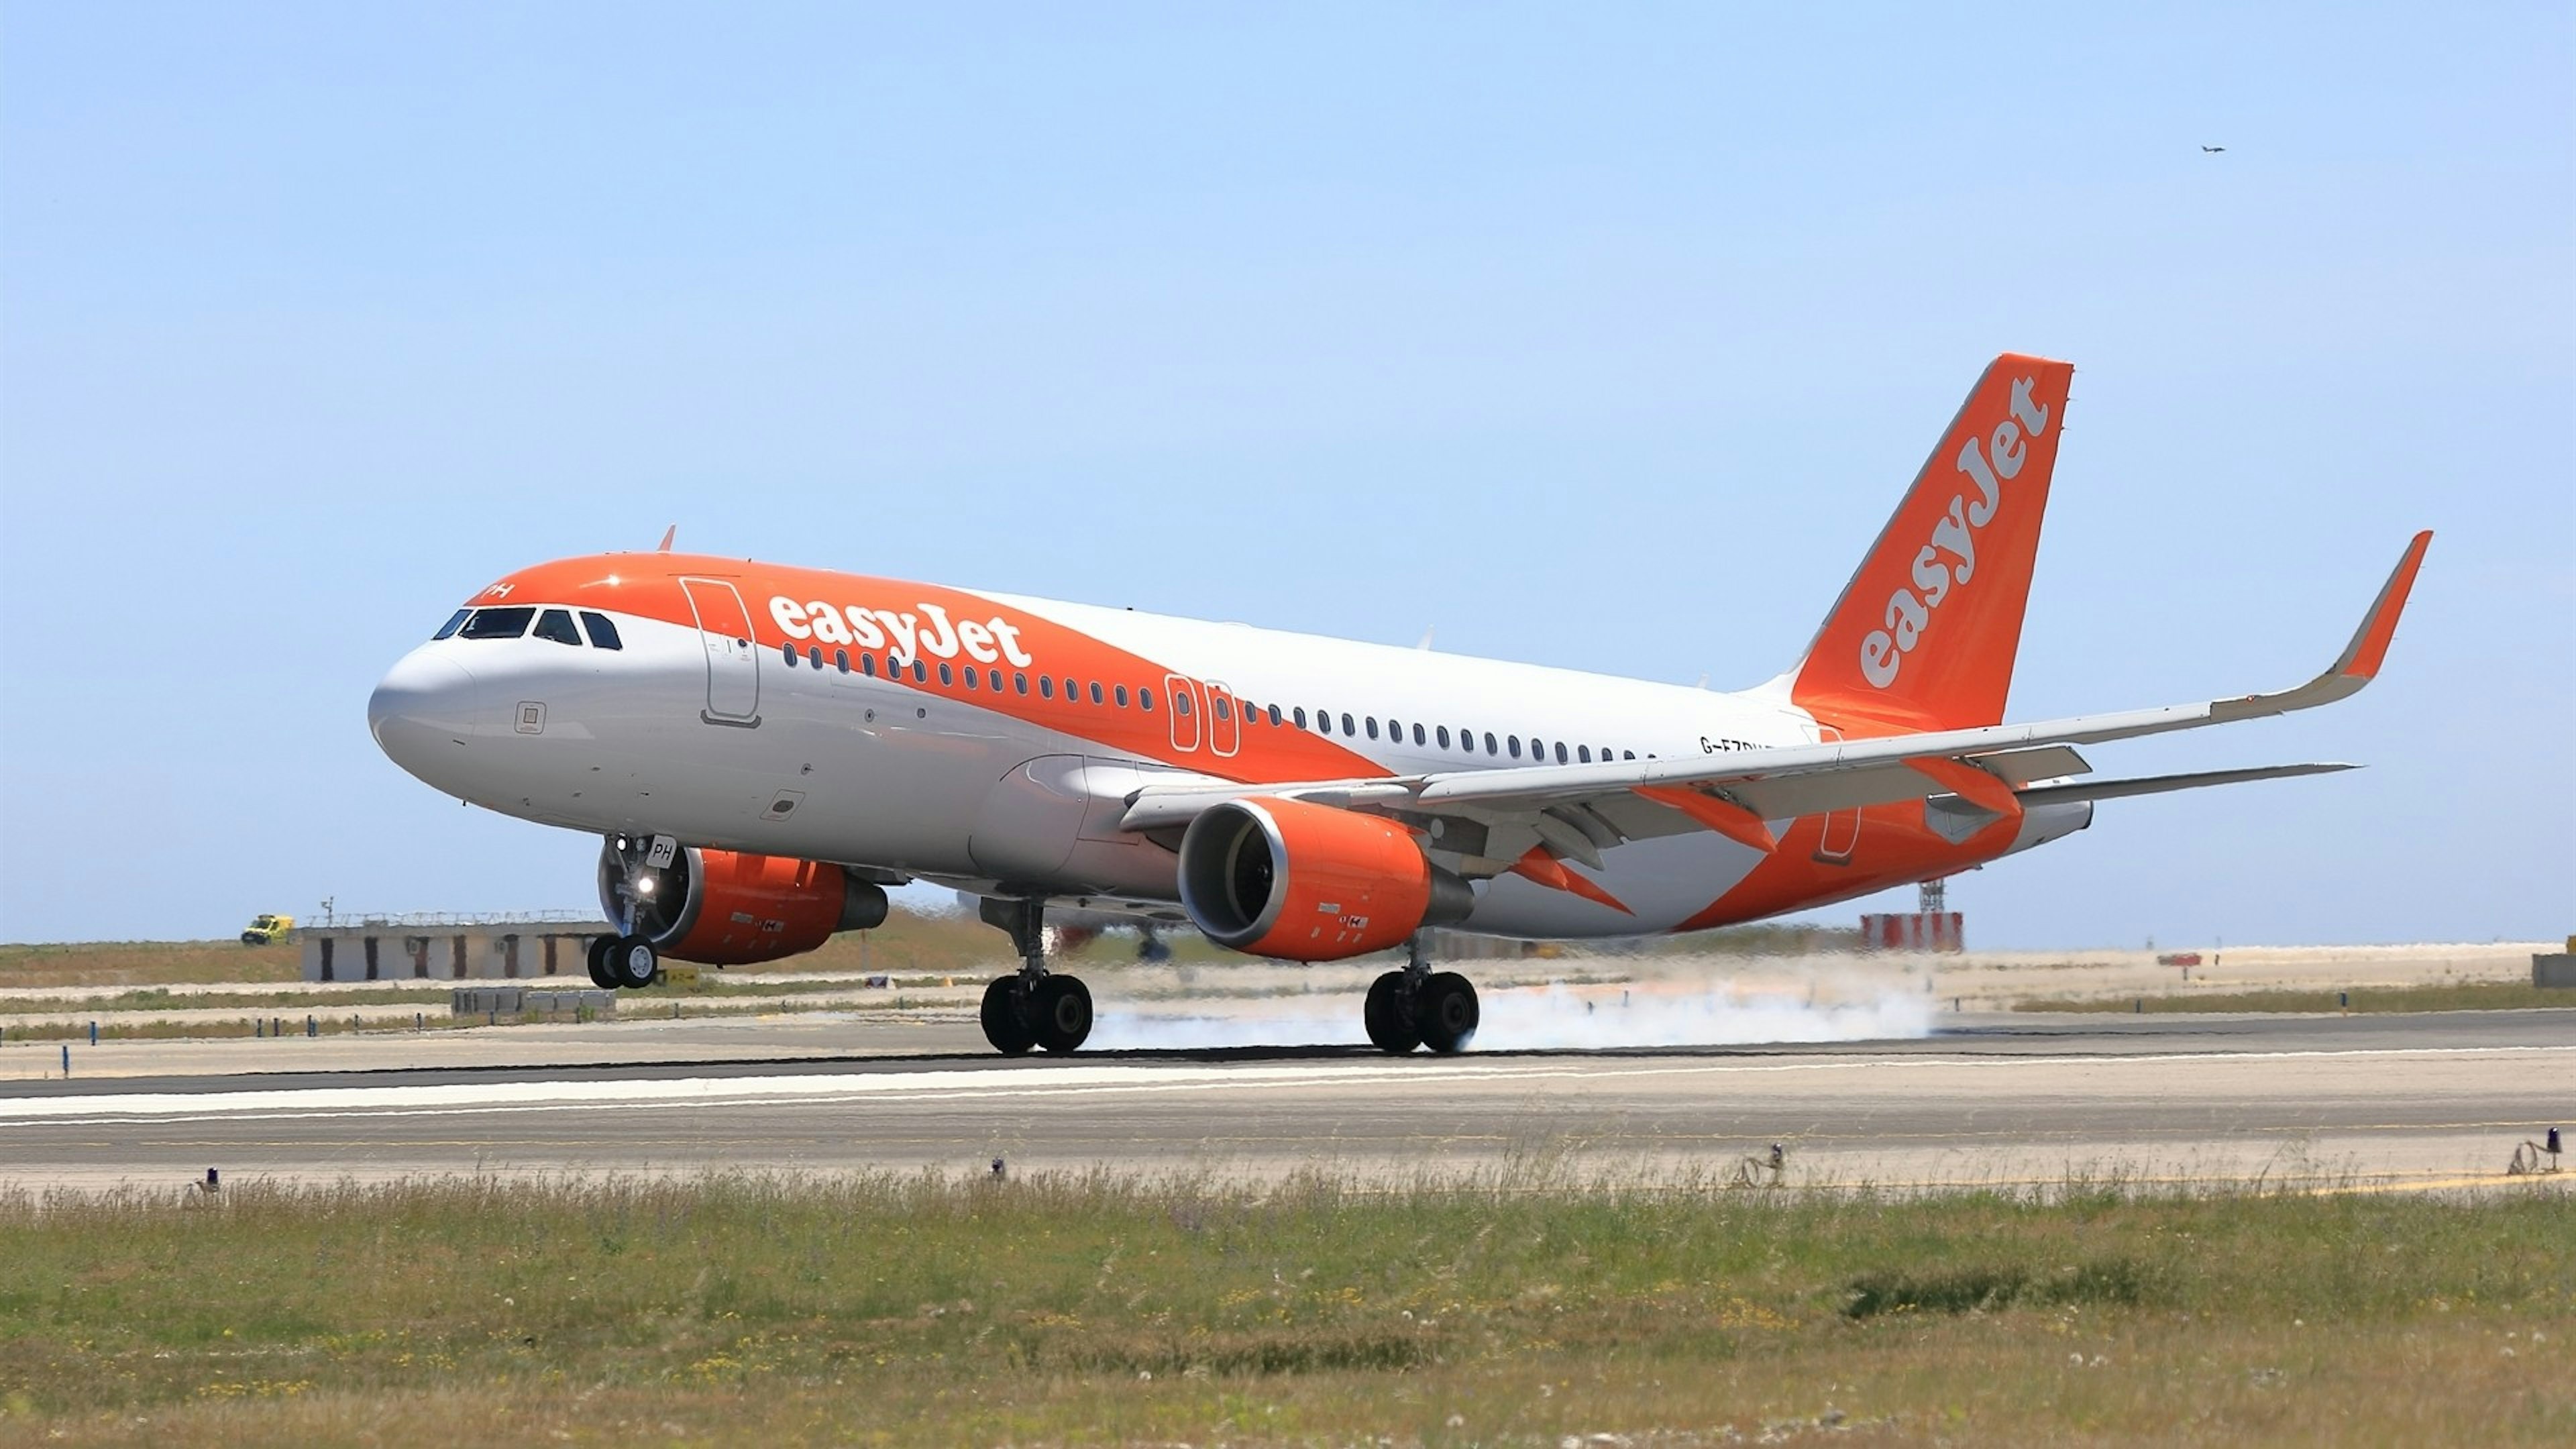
[1309, 882]
[731, 908]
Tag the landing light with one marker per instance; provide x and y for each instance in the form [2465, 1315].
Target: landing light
[644, 887]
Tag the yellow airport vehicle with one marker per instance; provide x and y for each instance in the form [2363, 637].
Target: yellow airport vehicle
[266, 929]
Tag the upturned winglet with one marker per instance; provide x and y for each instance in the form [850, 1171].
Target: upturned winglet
[2359, 663]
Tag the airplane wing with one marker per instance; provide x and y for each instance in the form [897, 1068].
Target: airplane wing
[1577, 810]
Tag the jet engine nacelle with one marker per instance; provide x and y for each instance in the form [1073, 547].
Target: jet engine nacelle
[1309, 882]
[731, 908]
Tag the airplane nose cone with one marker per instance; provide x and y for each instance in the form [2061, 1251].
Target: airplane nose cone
[423, 711]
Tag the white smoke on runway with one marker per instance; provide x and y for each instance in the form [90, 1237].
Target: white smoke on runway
[1666, 1012]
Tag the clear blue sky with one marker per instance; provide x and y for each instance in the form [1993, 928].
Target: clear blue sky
[1597, 337]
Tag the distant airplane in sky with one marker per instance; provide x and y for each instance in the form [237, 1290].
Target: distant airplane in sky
[2213, 150]
[765, 749]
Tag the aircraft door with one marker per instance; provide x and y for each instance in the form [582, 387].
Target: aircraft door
[1841, 835]
[1224, 730]
[1186, 708]
[733, 664]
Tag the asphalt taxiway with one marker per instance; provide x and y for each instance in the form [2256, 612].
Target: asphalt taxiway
[2412, 1100]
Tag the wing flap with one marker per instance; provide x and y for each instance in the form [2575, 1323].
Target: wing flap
[2160, 784]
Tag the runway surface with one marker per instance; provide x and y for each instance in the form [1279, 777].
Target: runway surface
[2424, 1100]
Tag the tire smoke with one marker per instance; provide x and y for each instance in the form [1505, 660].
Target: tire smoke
[1839, 1004]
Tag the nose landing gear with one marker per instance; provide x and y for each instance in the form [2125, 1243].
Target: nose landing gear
[1034, 1007]
[1418, 1006]
[628, 960]
[623, 962]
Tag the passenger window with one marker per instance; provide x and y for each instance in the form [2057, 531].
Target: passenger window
[557, 625]
[454, 622]
[1560, 752]
[1222, 712]
[1181, 703]
[920, 672]
[1298, 713]
[1583, 753]
[1274, 715]
[1372, 726]
[1046, 686]
[814, 655]
[1515, 742]
[1122, 696]
[841, 660]
[1444, 737]
[1490, 747]
[1145, 700]
[498, 623]
[973, 682]
[868, 665]
[788, 653]
[1020, 682]
[1072, 692]
[1095, 692]
[1627, 754]
[603, 634]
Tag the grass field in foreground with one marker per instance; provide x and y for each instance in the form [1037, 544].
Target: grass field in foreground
[2465, 996]
[1512, 1310]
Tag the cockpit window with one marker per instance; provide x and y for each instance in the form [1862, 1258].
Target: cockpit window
[454, 621]
[556, 624]
[603, 634]
[498, 623]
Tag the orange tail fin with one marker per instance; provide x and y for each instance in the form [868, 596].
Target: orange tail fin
[1924, 635]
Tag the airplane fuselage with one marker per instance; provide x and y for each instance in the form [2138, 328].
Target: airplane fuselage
[991, 741]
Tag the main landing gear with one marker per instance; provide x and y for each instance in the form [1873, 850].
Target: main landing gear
[1418, 1006]
[1034, 1007]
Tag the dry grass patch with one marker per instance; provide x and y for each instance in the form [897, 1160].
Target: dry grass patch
[1516, 1308]
[145, 963]
[2465, 996]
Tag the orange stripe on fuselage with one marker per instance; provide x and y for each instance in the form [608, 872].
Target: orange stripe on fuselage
[647, 586]
[1894, 848]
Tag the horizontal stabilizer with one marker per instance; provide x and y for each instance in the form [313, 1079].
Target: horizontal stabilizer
[2159, 784]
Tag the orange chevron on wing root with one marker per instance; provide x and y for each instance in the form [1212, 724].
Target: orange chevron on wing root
[1548, 871]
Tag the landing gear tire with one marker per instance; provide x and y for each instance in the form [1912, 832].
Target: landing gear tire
[1060, 1012]
[1444, 1008]
[599, 974]
[1006, 1023]
[1389, 1015]
[632, 962]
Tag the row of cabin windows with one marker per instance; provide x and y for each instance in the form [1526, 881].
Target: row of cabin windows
[981, 681]
[1509, 746]
[990, 681]
[524, 620]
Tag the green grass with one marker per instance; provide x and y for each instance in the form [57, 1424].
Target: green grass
[2467, 996]
[1514, 1309]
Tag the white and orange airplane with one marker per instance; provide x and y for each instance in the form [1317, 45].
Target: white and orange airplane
[765, 749]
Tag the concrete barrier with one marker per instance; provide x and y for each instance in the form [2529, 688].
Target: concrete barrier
[520, 1000]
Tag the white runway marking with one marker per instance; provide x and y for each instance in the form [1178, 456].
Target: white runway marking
[591, 1094]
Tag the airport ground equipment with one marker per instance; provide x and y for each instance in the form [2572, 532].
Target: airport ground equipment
[267, 929]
